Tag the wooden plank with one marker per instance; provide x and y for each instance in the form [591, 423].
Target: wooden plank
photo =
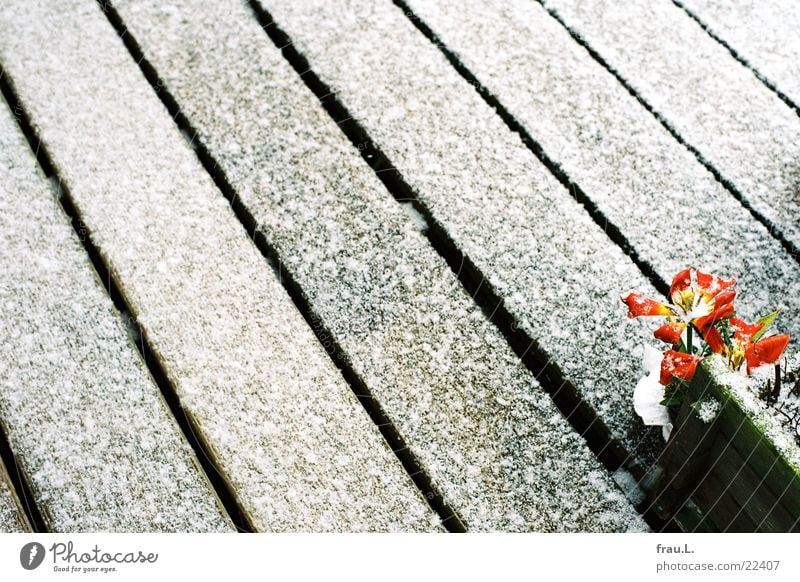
[683, 462]
[749, 489]
[12, 518]
[690, 519]
[640, 177]
[737, 426]
[783, 482]
[737, 124]
[88, 426]
[285, 430]
[763, 34]
[720, 509]
[537, 247]
[491, 439]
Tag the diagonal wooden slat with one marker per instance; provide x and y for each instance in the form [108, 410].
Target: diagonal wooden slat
[737, 125]
[641, 178]
[474, 416]
[88, 427]
[763, 34]
[12, 518]
[556, 271]
[285, 430]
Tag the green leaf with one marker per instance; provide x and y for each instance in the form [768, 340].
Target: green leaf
[767, 321]
[674, 392]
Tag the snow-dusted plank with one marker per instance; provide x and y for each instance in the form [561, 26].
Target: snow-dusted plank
[558, 272]
[12, 518]
[763, 33]
[489, 436]
[715, 103]
[639, 176]
[284, 428]
[88, 426]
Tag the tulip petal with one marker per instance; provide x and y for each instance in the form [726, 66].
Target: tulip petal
[670, 332]
[712, 284]
[714, 339]
[638, 306]
[678, 365]
[724, 298]
[680, 282]
[717, 315]
[765, 351]
[744, 331]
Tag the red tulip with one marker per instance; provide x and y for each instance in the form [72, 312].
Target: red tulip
[678, 365]
[742, 348]
[701, 302]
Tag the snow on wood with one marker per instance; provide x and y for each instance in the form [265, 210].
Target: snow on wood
[764, 34]
[12, 518]
[715, 103]
[489, 436]
[640, 177]
[88, 426]
[558, 273]
[284, 428]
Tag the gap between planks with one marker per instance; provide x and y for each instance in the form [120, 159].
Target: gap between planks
[611, 453]
[202, 452]
[773, 230]
[18, 481]
[736, 55]
[450, 519]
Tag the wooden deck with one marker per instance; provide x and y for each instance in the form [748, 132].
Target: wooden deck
[354, 265]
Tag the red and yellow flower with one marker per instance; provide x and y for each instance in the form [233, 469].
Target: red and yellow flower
[746, 345]
[701, 301]
[678, 365]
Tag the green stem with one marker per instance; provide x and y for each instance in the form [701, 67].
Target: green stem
[689, 338]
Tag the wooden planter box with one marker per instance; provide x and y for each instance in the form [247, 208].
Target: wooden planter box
[733, 473]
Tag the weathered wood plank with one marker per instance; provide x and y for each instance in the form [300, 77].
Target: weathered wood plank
[12, 518]
[764, 34]
[720, 509]
[751, 433]
[691, 519]
[749, 490]
[535, 245]
[283, 427]
[88, 427]
[738, 426]
[715, 104]
[489, 436]
[783, 483]
[640, 177]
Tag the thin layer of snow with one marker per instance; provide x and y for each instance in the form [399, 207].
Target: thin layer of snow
[12, 520]
[287, 432]
[84, 419]
[765, 34]
[629, 485]
[719, 107]
[641, 178]
[486, 432]
[558, 272]
[745, 391]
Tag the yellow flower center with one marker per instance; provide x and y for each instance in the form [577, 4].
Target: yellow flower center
[693, 303]
[736, 355]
